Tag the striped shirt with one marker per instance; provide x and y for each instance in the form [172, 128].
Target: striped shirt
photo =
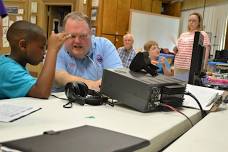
[185, 45]
[126, 56]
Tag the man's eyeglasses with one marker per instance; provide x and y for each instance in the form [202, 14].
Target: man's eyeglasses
[80, 36]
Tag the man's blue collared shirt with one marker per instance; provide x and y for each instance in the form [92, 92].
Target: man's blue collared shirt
[102, 55]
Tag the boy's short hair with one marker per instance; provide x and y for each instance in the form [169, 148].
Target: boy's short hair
[148, 45]
[24, 30]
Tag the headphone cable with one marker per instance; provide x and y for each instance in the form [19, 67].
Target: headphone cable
[203, 113]
[67, 105]
[58, 97]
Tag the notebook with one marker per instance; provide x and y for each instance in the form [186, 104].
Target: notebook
[81, 139]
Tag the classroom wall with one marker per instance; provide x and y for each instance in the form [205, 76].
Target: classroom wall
[151, 26]
[192, 4]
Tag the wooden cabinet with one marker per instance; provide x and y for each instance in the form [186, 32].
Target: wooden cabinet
[156, 6]
[114, 17]
[147, 5]
[173, 9]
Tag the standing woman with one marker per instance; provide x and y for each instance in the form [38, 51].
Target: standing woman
[183, 56]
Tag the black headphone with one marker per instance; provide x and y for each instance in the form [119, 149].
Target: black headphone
[78, 91]
[142, 61]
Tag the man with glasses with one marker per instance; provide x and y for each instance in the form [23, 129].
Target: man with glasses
[127, 52]
[83, 56]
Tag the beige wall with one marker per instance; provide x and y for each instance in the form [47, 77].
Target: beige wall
[190, 4]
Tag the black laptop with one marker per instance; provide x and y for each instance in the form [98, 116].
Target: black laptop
[81, 139]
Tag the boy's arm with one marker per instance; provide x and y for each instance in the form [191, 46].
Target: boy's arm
[42, 88]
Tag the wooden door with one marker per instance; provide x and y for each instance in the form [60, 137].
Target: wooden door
[109, 15]
[156, 6]
[115, 21]
[146, 5]
[136, 4]
[115, 16]
[123, 13]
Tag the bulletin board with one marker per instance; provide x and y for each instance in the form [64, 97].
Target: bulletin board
[16, 11]
[147, 26]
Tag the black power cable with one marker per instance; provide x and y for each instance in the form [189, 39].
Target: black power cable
[203, 113]
[69, 104]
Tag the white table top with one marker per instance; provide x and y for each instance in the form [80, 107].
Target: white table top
[209, 135]
[161, 128]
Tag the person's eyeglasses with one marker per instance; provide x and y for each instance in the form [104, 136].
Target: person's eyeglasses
[192, 20]
[80, 36]
[154, 48]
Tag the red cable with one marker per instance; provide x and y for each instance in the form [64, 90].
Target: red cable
[174, 109]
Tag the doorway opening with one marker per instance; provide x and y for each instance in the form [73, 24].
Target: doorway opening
[56, 14]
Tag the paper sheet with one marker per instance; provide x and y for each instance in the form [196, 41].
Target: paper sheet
[203, 94]
[10, 112]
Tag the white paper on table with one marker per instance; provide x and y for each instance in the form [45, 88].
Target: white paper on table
[203, 94]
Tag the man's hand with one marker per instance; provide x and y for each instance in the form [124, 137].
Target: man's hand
[94, 85]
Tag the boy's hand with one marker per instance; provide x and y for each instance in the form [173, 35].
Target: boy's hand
[55, 41]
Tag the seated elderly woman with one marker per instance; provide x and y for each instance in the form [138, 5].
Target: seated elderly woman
[156, 59]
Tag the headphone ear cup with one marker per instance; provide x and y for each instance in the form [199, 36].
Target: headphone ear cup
[73, 93]
[83, 88]
[69, 90]
[78, 91]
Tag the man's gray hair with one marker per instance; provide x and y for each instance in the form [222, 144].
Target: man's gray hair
[78, 16]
